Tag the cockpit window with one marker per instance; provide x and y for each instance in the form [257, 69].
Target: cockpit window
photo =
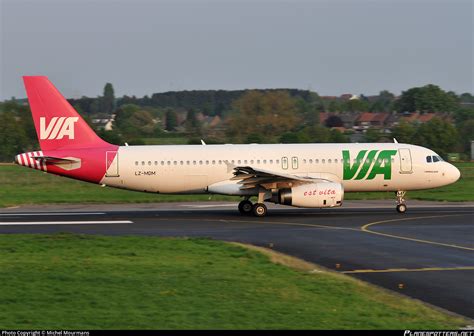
[434, 158]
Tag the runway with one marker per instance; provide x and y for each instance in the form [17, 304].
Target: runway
[427, 253]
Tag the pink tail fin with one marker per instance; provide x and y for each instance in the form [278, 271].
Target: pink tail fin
[57, 123]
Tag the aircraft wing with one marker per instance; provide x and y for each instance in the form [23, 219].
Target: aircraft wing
[250, 178]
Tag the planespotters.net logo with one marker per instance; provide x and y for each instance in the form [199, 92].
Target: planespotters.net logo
[58, 128]
[438, 333]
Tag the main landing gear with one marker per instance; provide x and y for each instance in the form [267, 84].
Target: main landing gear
[258, 209]
[401, 206]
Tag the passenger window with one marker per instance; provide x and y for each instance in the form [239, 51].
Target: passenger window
[220, 161]
[200, 162]
[238, 161]
[277, 161]
[194, 162]
[258, 161]
[136, 163]
[207, 162]
[271, 161]
[310, 160]
[143, 163]
[304, 161]
[335, 160]
[264, 161]
[245, 161]
[316, 160]
[181, 163]
[251, 161]
[213, 162]
[428, 159]
[149, 163]
[323, 161]
[156, 163]
[329, 161]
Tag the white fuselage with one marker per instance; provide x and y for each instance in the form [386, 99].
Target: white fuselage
[197, 168]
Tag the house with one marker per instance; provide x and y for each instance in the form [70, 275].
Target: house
[367, 120]
[104, 123]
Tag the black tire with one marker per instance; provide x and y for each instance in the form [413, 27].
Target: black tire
[401, 208]
[245, 207]
[259, 210]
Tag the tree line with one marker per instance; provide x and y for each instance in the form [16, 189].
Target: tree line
[255, 116]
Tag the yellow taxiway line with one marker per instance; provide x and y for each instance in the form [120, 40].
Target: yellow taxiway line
[365, 228]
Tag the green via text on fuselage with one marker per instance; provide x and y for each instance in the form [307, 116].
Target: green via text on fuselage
[382, 164]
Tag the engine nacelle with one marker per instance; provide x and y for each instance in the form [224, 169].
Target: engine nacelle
[313, 195]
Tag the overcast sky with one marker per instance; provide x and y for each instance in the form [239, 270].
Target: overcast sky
[329, 46]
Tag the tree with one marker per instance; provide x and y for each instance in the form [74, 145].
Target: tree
[13, 139]
[429, 98]
[289, 137]
[383, 103]
[372, 135]
[466, 97]
[334, 121]
[108, 100]
[267, 113]
[438, 135]
[466, 135]
[404, 132]
[356, 105]
[171, 120]
[193, 125]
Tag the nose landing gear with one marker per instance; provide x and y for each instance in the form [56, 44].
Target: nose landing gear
[401, 206]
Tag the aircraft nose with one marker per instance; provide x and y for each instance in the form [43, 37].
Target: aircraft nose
[453, 173]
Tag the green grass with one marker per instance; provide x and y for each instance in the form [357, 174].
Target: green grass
[66, 281]
[20, 185]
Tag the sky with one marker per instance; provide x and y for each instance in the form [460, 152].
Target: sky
[328, 46]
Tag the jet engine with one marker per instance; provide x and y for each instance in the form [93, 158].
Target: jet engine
[312, 195]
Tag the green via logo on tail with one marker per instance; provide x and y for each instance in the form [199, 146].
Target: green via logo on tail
[382, 164]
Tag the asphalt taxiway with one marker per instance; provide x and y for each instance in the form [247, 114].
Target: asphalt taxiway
[426, 253]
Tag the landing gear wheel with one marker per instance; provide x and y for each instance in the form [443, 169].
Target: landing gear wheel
[245, 207]
[401, 208]
[259, 209]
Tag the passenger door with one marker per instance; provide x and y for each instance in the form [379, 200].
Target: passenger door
[405, 161]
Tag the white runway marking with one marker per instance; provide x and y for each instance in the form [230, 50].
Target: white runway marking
[197, 206]
[67, 223]
[52, 214]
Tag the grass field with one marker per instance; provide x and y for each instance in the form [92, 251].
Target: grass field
[20, 185]
[66, 281]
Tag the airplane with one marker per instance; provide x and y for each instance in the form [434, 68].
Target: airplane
[298, 175]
